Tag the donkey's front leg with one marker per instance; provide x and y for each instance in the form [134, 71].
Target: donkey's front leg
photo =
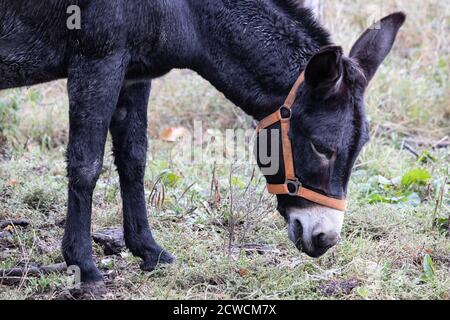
[129, 132]
[93, 86]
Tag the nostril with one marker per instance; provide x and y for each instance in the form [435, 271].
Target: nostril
[325, 241]
[319, 240]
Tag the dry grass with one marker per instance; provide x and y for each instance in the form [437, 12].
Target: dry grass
[230, 243]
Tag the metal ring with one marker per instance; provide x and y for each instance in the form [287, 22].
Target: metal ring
[293, 187]
[285, 113]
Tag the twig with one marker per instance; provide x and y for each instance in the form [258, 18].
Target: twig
[109, 179]
[27, 255]
[231, 221]
[412, 150]
[439, 202]
[215, 190]
[157, 196]
[213, 180]
[250, 181]
[442, 143]
[184, 193]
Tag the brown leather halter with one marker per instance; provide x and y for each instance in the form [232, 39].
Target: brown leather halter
[293, 186]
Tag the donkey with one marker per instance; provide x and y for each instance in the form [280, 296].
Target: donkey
[250, 50]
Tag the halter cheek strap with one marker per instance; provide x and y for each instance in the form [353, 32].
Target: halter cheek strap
[293, 186]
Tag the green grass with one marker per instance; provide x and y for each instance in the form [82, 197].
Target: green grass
[386, 248]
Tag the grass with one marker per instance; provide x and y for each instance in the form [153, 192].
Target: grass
[229, 241]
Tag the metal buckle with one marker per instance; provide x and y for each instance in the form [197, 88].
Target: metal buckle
[285, 113]
[293, 187]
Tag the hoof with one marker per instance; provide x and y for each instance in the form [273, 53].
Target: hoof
[90, 291]
[150, 263]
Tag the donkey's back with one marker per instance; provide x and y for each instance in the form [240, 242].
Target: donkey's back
[37, 42]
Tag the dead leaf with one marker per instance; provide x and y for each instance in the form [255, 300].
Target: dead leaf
[12, 182]
[9, 229]
[173, 134]
[243, 272]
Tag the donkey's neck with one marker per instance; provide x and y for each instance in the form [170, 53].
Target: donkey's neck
[251, 50]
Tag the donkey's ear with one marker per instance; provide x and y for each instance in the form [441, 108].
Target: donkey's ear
[324, 69]
[375, 43]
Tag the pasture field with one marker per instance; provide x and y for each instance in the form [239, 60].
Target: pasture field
[218, 220]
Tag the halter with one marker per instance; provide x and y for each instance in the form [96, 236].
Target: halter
[293, 187]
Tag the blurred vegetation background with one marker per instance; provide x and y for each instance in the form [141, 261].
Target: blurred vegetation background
[218, 220]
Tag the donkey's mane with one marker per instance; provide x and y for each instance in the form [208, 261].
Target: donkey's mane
[305, 17]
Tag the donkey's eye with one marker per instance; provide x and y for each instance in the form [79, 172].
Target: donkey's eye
[321, 151]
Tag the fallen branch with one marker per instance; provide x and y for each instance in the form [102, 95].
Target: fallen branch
[32, 270]
[13, 222]
[14, 275]
[258, 248]
[111, 240]
[441, 144]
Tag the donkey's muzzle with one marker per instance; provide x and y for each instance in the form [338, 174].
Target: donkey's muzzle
[315, 230]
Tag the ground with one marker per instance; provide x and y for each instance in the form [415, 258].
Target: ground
[218, 220]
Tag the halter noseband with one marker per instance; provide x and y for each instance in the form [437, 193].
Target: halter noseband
[293, 186]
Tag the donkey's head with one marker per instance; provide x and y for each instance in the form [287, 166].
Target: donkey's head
[328, 130]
